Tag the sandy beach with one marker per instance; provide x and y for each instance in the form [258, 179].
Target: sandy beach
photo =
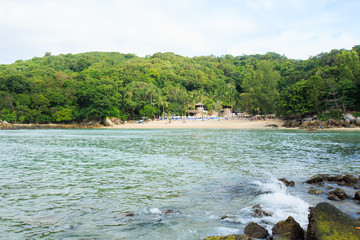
[193, 124]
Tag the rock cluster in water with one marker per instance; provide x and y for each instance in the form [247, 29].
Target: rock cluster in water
[348, 121]
[342, 180]
[326, 222]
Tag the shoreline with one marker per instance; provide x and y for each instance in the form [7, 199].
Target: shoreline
[177, 124]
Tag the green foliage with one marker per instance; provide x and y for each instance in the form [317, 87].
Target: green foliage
[62, 115]
[7, 115]
[330, 114]
[260, 91]
[97, 85]
[148, 111]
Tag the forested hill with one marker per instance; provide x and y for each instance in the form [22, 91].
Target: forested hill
[97, 85]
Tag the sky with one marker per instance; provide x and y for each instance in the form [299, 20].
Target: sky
[297, 29]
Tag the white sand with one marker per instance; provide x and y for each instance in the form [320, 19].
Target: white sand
[191, 124]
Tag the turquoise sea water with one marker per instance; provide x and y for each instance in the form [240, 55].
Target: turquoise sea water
[174, 184]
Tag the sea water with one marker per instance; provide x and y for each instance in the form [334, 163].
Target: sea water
[163, 184]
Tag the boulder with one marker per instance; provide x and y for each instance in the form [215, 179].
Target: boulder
[326, 222]
[318, 179]
[230, 237]
[350, 117]
[256, 231]
[357, 122]
[108, 122]
[315, 191]
[287, 124]
[357, 195]
[338, 193]
[333, 197]
[295, 124]
[287, 183]
[288, 230]
[343, 180]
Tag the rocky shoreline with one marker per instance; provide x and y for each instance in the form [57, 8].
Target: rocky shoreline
[326, 222]
[348, 121]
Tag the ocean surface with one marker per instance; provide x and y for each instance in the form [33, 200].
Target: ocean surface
[163, 184]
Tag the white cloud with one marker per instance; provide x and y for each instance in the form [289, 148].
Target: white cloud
[296, 28]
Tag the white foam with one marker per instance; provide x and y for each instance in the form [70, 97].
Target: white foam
[155, 211]
[276, 200]
[227, 231]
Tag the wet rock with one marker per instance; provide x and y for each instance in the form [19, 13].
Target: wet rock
[343, 180]
[338, 193]
[230, 237]
[318, 179]
[256, 231]
[315, 191]
[130, 214]
[328, 222]
[333, 197]
[258, 212]
[357, 195]
[357, 186]
[167, 211]
[287, 183]
[288, 230]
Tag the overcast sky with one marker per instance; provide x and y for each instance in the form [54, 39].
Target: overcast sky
[294, 28]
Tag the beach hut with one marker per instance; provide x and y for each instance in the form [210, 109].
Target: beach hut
[199, 108]
[226, 111]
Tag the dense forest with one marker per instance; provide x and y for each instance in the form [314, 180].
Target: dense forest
[96, 85]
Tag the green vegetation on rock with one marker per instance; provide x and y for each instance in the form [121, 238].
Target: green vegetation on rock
[326, 222]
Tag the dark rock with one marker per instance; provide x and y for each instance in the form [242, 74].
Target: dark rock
[328, 222]
[295, 124]
[357, 195]
[339, 193]
[343, 180]
[318, 179]
[230, 237]
[258, 212]
[288, 229]
[287, 124]
[315, 191]
[357, 186]
[350, 180]
[287, 183]
[256, 231]
[333, 197]
[167, 211]
[130, 214]
[272, 125]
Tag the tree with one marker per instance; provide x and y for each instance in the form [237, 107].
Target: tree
[260, 92]
[148, 111]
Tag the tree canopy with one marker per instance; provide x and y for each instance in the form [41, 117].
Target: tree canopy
[97, 85]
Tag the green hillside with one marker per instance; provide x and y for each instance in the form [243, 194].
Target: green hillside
[97, 85]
